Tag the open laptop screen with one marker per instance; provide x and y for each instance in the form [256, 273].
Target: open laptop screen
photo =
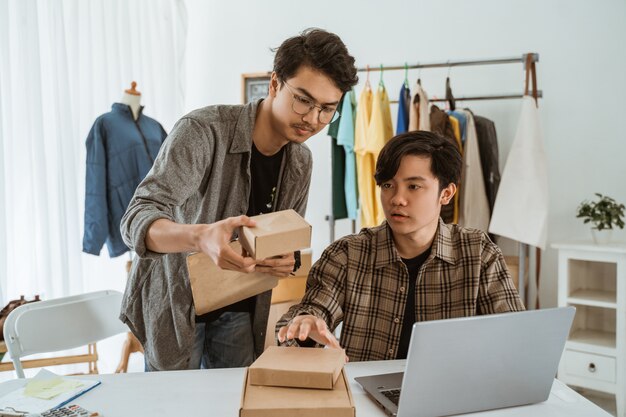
[478, 363]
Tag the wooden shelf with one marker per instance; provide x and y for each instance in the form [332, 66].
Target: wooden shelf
[594, 298]
[594, 341]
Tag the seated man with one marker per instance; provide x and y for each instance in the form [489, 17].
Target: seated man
[413, 267]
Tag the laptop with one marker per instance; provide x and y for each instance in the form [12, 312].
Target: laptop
[477, 363]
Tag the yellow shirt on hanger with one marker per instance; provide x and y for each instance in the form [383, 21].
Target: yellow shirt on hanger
[361, 126]
[379, 131]
[457, 135]
[456, 128]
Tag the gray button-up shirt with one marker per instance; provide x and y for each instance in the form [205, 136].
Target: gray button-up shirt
[201, 175]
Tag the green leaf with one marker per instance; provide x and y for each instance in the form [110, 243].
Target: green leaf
[604, 213]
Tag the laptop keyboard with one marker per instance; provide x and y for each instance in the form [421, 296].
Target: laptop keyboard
[392, 394]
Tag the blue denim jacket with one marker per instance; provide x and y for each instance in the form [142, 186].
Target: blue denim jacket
[120, 152]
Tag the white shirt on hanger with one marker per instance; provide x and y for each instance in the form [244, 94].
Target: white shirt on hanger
[521, 208]
[474, 205]
[419, 119]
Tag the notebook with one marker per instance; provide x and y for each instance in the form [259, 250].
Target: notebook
[463, 365]
[49, 396]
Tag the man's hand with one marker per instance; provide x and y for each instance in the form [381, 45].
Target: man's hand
[279, 266]
[213, 239]
[305, 326]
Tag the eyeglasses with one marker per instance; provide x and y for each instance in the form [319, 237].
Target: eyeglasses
[304, 105]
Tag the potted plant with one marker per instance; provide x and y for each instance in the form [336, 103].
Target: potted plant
[603, 213]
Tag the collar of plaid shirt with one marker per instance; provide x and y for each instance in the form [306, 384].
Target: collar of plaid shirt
[386, 252]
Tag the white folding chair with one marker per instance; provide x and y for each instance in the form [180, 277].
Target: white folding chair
[61, 324]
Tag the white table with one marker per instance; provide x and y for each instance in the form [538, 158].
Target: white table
[217, 392]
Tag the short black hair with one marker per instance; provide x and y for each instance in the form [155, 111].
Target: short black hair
[445, 158]
[320, 50]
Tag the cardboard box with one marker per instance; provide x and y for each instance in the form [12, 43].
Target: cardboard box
[262, 401]
[213, 287]
[306, 261]
[292, 288]
[275, 234]
[512, 262]
[289, 289]
[297, 367]
[276, 312]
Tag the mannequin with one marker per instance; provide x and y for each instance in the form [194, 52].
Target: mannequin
[126, 149]
[132, 98]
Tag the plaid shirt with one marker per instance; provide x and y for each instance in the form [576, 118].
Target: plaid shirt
[362, 281]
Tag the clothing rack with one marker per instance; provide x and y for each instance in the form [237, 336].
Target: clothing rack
[534, 57]
[459, 63]
[520, 59]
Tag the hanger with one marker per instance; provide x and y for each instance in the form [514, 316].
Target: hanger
[419, 75]
[133, 90]
[381, 83]
[367, 78]
[449, 96]
[406, 75]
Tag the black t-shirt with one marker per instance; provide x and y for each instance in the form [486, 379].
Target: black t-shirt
[413, 265]
[264, 172]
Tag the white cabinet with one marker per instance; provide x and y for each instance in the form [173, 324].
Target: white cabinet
[593, 279]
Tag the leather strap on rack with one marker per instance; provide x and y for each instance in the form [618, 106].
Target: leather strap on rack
[530, 69]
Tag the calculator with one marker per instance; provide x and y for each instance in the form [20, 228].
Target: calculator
[70, 411]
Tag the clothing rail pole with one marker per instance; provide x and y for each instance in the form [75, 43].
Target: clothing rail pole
[478, 98]
[460, 63]
[492, 97]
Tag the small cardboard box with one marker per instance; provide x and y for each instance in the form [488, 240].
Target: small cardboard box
[261, 401]
[275, 234]
[297, 367]
[213, 287]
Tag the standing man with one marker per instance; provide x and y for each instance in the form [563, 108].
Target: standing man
[219, 165]
[413, 267]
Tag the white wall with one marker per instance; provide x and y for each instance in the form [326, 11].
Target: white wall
[581, 72]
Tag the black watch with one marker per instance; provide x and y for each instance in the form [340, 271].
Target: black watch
[298, 263]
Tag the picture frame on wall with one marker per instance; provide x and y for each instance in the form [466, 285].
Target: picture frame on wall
[254, 86]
